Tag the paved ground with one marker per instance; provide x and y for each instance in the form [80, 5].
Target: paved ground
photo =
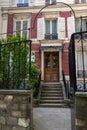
[52, 118]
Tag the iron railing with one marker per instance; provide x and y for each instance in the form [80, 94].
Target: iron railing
[78, 40]
[15, 65]
[52, 36]
[66, 85]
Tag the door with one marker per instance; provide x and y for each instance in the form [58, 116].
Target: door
[51, 66]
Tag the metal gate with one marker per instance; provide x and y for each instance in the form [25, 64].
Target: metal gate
[77, 68]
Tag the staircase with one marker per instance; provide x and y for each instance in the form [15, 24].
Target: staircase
[52, 95]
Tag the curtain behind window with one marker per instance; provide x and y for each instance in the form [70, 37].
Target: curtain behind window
[47, 27]
[54, 26]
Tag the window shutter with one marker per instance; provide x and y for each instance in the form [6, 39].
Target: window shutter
[70, 26]
[40, 2]
[76, 1]
[32, 2]
[61, 28]
[40, 29]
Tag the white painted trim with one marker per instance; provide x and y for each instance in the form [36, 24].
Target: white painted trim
[42, 65]
[52, 44]
[60, 64]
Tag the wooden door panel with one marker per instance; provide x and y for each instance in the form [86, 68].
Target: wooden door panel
[51, 66]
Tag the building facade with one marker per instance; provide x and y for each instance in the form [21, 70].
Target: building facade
[49, 29]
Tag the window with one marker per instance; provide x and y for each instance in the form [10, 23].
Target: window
[50, 1]
[80, 1]
[22, 3]
[51, 29]
[80, 64]
[78, 25]
[23, 26]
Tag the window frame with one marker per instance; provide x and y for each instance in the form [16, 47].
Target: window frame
[21, 20]
[22, 3]
[50, 21]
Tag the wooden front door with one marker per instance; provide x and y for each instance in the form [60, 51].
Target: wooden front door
[51, 66]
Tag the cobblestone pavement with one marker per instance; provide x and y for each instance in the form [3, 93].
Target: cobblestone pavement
[52, 118]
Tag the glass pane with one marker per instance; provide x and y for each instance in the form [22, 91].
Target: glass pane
[54, 26]
[55, 61]
[25, 1]
[18, 26]
[47, 27]
[25, 25]
[47, 1]
[78, 25]
[47, 61]
[84, 25]
[19, 1]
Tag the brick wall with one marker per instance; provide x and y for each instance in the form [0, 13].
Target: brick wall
[35, 48]
[10, 24]
[65, 59]
[15, 110]
[33, 24]
[81, 110]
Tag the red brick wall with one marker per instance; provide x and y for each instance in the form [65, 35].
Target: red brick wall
[33, 24]
[35, 48]
[66, 15]
[10, 24]
[65, 58]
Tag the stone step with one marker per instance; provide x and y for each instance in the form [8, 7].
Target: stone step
[51, 89]
[51, 94]
[51, 84]
[62, 105]
[51, 98]
[51, 101]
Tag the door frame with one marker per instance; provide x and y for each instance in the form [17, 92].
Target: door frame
[58, 65]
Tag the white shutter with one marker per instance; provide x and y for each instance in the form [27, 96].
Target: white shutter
[32, 2]
[40, 28]
[40, 2]
[61, 28]
[70, 26]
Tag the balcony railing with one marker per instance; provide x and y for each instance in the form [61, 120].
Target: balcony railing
[80, 73]
[22, 4]
[52, 36]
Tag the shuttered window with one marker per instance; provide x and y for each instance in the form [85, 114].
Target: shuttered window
[21, 27]
[51, 29]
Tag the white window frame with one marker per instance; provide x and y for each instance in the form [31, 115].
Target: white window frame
[22, 2]
[22, 26]
[51, 1]
[50, 25]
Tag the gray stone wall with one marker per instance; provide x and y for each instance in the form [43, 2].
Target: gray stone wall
[15, 110]
[81, 110]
